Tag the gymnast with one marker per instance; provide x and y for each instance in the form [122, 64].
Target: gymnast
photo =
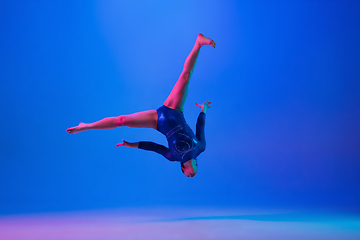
[184, 145]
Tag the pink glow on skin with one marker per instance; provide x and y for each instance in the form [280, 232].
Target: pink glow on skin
[149, 119]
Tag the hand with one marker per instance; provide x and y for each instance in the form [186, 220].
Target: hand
[128, 144]
[204, 107]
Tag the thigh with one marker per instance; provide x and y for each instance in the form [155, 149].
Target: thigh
[145, 119]
[177, 97]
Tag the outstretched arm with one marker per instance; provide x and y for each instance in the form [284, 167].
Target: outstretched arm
[200, 124]
[149, 146]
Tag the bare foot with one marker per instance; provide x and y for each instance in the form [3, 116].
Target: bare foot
[81, 127]
[204, 40]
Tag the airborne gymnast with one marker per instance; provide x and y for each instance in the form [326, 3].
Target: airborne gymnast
[184, 145]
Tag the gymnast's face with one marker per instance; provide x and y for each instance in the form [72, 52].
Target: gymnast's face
[189, 168]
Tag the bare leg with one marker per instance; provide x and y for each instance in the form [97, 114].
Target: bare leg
[146, 119]
[178, 95]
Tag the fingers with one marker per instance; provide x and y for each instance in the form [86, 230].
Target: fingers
[207, 102]
[121, 144]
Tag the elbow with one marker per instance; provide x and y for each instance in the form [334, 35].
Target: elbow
[200, 124]
[203, 147]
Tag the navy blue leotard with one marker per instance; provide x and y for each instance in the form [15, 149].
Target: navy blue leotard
[183, 144]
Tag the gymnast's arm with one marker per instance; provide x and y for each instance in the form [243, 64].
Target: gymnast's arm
[200, 124]
[200, 130]
[150, 146]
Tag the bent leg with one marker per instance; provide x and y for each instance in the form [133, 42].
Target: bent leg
[178, 94]
[145, 119]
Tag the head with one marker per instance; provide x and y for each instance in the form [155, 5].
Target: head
[189, 168]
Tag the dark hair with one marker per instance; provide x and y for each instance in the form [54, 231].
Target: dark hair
[182, 167]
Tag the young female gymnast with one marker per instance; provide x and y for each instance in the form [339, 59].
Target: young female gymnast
[184, 145]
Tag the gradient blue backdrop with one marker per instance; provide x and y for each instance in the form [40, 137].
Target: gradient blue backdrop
[284, 81]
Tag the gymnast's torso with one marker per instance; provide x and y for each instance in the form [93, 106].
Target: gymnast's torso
[183, 143]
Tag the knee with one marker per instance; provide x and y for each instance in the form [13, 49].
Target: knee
[120, 121]
[185, 76]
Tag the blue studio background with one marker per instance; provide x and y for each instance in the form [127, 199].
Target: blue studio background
[283, 131]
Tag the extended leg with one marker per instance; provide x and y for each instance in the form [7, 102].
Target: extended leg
[146, 119]
[177, 97]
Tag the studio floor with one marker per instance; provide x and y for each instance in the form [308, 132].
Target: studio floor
[181, 223]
